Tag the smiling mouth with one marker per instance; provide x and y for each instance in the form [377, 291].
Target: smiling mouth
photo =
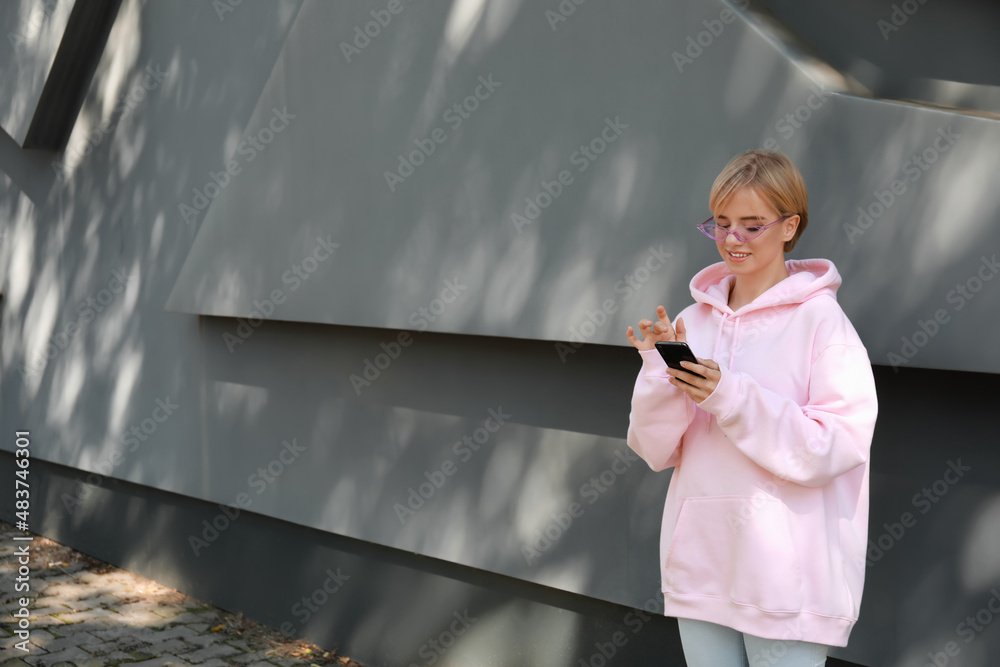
[738, 255]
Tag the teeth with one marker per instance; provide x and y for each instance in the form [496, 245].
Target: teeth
[739, 254]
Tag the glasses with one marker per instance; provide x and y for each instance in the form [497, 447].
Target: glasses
[720, 233]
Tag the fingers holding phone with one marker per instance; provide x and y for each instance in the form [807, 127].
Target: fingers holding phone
[674, 353]
[702, 375]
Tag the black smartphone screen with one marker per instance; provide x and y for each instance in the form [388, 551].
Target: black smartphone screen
[674, 352]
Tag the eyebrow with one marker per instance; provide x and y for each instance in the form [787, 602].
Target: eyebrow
[745, 217]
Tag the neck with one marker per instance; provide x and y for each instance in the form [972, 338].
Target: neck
[746, 288]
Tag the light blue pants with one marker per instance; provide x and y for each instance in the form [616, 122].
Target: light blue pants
[712, 645]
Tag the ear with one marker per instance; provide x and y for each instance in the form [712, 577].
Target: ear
[791, 224]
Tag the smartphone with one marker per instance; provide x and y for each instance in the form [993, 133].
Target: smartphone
[674, 352]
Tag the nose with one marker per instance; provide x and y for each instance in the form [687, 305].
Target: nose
[732, 241]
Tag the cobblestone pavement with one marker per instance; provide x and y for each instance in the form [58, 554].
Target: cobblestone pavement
[87, 613]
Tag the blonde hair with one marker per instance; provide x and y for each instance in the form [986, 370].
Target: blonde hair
[773, 177]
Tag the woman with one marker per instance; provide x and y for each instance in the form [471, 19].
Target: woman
[765, 525]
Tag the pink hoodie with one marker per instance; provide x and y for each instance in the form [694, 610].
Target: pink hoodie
[765, 525]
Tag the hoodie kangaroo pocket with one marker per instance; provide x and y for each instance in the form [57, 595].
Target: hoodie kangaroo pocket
[735, 547]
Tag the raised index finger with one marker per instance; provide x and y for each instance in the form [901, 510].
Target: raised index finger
[661, 313]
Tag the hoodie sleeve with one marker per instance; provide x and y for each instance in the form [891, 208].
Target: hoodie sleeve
[661, 413]
[809, 444]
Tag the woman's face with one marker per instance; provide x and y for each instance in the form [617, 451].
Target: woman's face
[745, 208]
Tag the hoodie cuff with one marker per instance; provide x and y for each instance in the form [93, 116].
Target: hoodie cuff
[723, 399]
[653, 363]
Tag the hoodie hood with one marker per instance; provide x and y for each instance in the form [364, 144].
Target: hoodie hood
[807, 279]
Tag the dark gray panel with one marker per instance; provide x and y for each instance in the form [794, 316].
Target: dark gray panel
[934, 459]
[885, 45]
[406, 459]
[70, 75]
[32, 34]
[392, 607]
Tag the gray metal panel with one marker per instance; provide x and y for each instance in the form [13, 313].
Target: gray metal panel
[452, 219]
[912, 224]
[566, 271]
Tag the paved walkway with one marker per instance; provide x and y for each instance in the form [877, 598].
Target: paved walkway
[86, 613]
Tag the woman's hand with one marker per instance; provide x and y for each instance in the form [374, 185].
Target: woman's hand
[656, 331]
[695, 387]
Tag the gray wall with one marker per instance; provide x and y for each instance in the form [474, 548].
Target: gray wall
[97, 230]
